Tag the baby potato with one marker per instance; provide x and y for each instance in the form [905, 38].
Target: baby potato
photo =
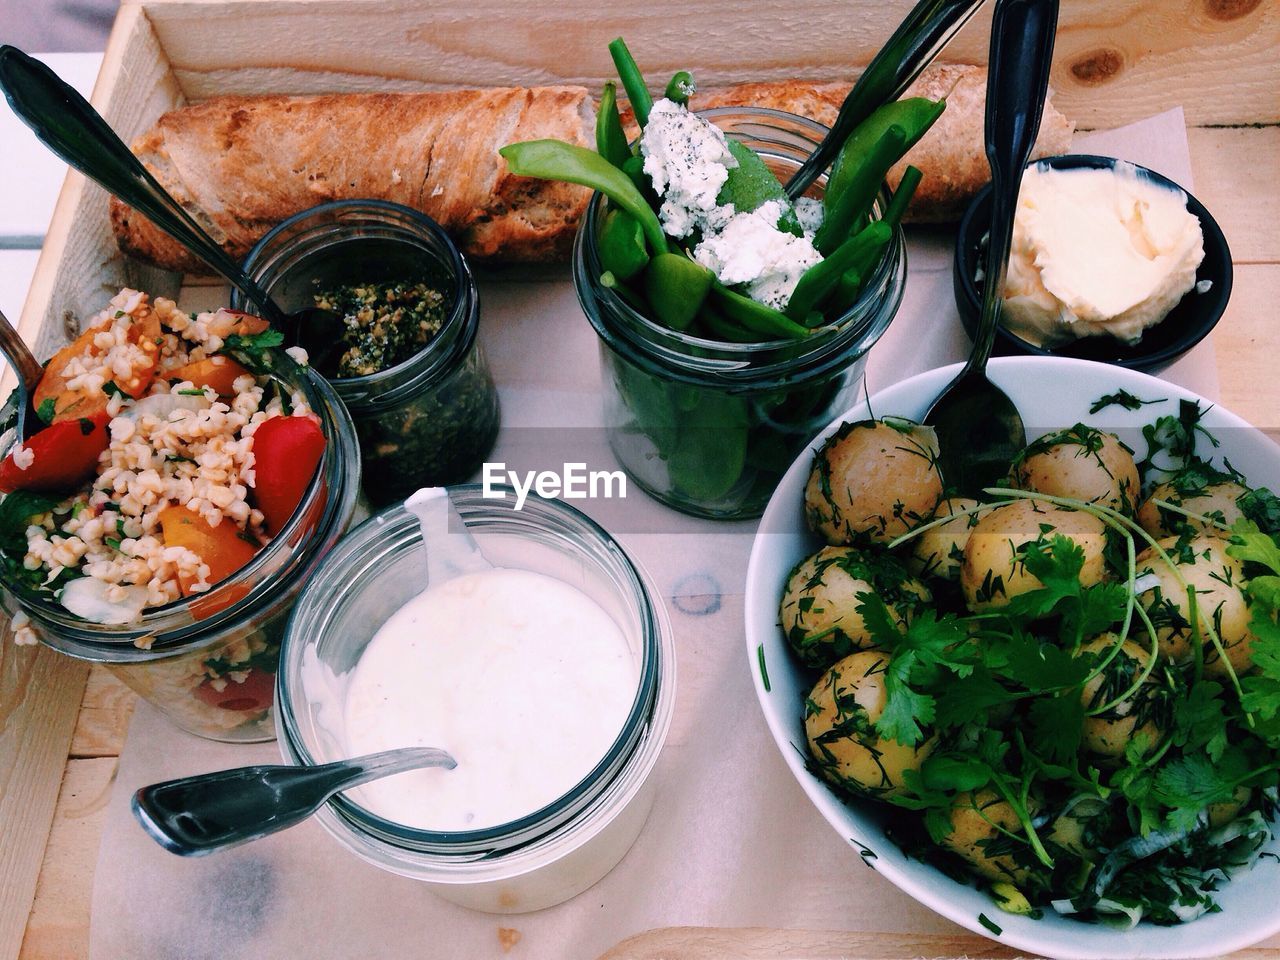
[1220, 814]
[993, 572]
[977, 820]
[1145, 712]
[939, 551]
[844, 744]
[873, 480]
[1214, 501]
[819, 612]
[1083, 463]
[1218, 580]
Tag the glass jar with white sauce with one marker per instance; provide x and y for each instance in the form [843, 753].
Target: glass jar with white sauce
[547, 855]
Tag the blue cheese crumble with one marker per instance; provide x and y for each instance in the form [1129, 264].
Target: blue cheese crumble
[688, 161]
[752, 250]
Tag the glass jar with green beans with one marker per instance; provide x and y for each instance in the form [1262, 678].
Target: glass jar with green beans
[706, 416]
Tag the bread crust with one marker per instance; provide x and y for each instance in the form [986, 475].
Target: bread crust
[240, 165]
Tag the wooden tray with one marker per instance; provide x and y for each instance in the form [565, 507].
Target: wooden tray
[1117, 61]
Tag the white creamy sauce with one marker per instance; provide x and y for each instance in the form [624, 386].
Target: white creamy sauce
[687, 159]
[526, 680]
[1098, 252]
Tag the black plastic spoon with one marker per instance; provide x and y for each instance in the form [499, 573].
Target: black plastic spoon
[979, 428]
[69, 126]
[918, 40]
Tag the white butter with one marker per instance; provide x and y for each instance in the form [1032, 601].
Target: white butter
[1097, 252]
[752, 250]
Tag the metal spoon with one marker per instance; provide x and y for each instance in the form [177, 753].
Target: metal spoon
[979, 428]
[69, 126]
[28, 368]
[194, 816]
[918, 40]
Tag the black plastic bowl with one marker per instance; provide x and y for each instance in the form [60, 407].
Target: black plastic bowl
[1186, 325]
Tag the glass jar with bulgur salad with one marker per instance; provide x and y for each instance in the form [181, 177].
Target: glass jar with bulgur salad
[186, 477]
[408, 363]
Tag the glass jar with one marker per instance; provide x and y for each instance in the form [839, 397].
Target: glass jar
[553, 853]
[432, 419]
[208, 661]
[706, 426]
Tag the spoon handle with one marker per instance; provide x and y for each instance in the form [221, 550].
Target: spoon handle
[29, 369]
[918, 40]
[197, 815]
[1017, 80]
[70, 127]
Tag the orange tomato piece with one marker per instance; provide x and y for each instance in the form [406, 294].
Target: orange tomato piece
[218, 372]
[221, 547]
[247, 324]
[80, 402]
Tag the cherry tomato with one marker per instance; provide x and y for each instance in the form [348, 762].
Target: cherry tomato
[286, 453]
[218, 372]
[69, 404]
[63, 456]
[255, 693]
[221, 547]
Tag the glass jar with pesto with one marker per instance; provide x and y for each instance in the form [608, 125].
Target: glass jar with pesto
[710, 426]
[408, 364]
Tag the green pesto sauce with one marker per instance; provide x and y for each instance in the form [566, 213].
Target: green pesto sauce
[384, 323]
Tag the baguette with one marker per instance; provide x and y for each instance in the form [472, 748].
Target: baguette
[240, 165]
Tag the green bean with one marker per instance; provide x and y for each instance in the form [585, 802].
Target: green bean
[914, 115]
[754, 316]
[911, 178]
[859, 189]
[676, 287]
[852, 280]
[822, 277]
[621, 245]
[632, 81]
[751, 183]
[681, 88]
[554, 160]
[720, 328]
[611, 141]
[633, 299]
[634, 168]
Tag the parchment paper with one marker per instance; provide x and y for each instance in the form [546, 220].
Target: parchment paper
[732, 840]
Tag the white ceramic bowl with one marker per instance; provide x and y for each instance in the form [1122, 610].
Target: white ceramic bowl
[1051, 393]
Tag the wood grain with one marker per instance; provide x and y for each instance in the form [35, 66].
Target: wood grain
[1236, 171]
[104, 716]
[1116, 60]
[1245, 340]
[58, 928]
[40, 693]
[761, 943]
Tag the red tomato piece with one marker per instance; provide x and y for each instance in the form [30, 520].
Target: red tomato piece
[63, 456]
[286, 453]
[255, 693]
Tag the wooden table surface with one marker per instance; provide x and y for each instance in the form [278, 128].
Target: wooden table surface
[1237, 176]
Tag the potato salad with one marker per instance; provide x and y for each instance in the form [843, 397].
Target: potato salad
[1069, 691]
